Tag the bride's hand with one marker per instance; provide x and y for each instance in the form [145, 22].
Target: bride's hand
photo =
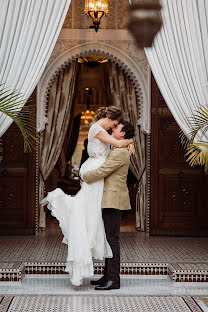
[131, 149]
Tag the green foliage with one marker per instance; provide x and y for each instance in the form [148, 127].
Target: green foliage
[10, 103]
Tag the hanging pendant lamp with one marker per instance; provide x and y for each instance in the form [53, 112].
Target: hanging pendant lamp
[145, 21]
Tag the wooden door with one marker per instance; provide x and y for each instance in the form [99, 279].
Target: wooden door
[17, 184]
[178, 191]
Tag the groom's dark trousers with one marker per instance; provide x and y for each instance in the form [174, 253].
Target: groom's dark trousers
[111, 218]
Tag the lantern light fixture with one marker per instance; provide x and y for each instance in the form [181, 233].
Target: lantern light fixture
[96, 9]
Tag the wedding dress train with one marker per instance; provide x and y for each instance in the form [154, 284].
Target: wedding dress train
[80, 217]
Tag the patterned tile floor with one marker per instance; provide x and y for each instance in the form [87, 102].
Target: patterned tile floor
[183, 258]
[41, 293]
[98, 303]
[54, 293]
[135, 247]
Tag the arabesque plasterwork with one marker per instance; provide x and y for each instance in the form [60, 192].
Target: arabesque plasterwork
[123, 52]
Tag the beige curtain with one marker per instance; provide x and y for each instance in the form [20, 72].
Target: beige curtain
[51, 139]
[124, 96]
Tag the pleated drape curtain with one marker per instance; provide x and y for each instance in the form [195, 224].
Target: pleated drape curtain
[179, 58]
[51, 139]
[71, 138]
[124, 96]
[28, 32]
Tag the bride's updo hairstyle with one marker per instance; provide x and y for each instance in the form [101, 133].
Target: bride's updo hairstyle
[111, 112]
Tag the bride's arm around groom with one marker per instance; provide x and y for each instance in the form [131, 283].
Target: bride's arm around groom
[114, 170]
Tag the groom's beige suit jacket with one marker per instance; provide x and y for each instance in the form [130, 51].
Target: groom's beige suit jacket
[114, 171]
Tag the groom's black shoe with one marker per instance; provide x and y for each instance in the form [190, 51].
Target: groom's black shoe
[108, 285]
[101, 281]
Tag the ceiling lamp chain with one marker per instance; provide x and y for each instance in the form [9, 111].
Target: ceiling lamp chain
[88, 115]
[96, 9]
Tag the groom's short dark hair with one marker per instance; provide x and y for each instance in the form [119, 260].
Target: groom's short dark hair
[128, 129]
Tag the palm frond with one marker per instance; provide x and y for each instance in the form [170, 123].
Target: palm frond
[197, 154]
[199, 122]
[184, 139]
[196, 149]
[10, 104]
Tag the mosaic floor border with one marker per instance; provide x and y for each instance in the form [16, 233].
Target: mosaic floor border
[101, 303]
[12, 271]
[179, 272]
[126, 268]
[188, 272]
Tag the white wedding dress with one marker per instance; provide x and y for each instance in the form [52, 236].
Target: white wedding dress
[80, 216]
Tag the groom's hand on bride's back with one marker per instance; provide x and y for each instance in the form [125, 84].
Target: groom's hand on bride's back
[84, 178]
[131, 149]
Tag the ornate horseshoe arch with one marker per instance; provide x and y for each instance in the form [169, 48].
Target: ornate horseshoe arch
[124, 61]
[115, 55]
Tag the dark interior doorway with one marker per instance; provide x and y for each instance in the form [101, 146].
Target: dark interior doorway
[92, 92]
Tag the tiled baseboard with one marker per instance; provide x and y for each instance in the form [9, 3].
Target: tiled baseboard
[178, 272]
[45, 268]
[188, 272]
[126, 268]
[134, 268]
[11, 272]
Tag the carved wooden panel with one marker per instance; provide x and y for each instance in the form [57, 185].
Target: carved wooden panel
[178, 192]
[179, 199]
[12, 145]
[12, 203]
[17, 184]
[171, 149]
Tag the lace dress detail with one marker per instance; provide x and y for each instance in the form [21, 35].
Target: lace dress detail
[96, 148]
[80, 216]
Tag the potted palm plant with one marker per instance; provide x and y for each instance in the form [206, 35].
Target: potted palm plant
[10, 103]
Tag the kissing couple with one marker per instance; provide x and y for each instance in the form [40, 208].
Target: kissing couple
[90, 220]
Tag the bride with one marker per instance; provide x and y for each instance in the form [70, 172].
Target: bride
[80, 217]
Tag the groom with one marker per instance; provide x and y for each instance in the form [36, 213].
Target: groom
[115, 199]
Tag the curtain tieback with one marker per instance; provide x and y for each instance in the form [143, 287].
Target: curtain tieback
[139, 180]
[41, 174]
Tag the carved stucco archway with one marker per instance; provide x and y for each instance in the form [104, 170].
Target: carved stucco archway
[130, 67]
